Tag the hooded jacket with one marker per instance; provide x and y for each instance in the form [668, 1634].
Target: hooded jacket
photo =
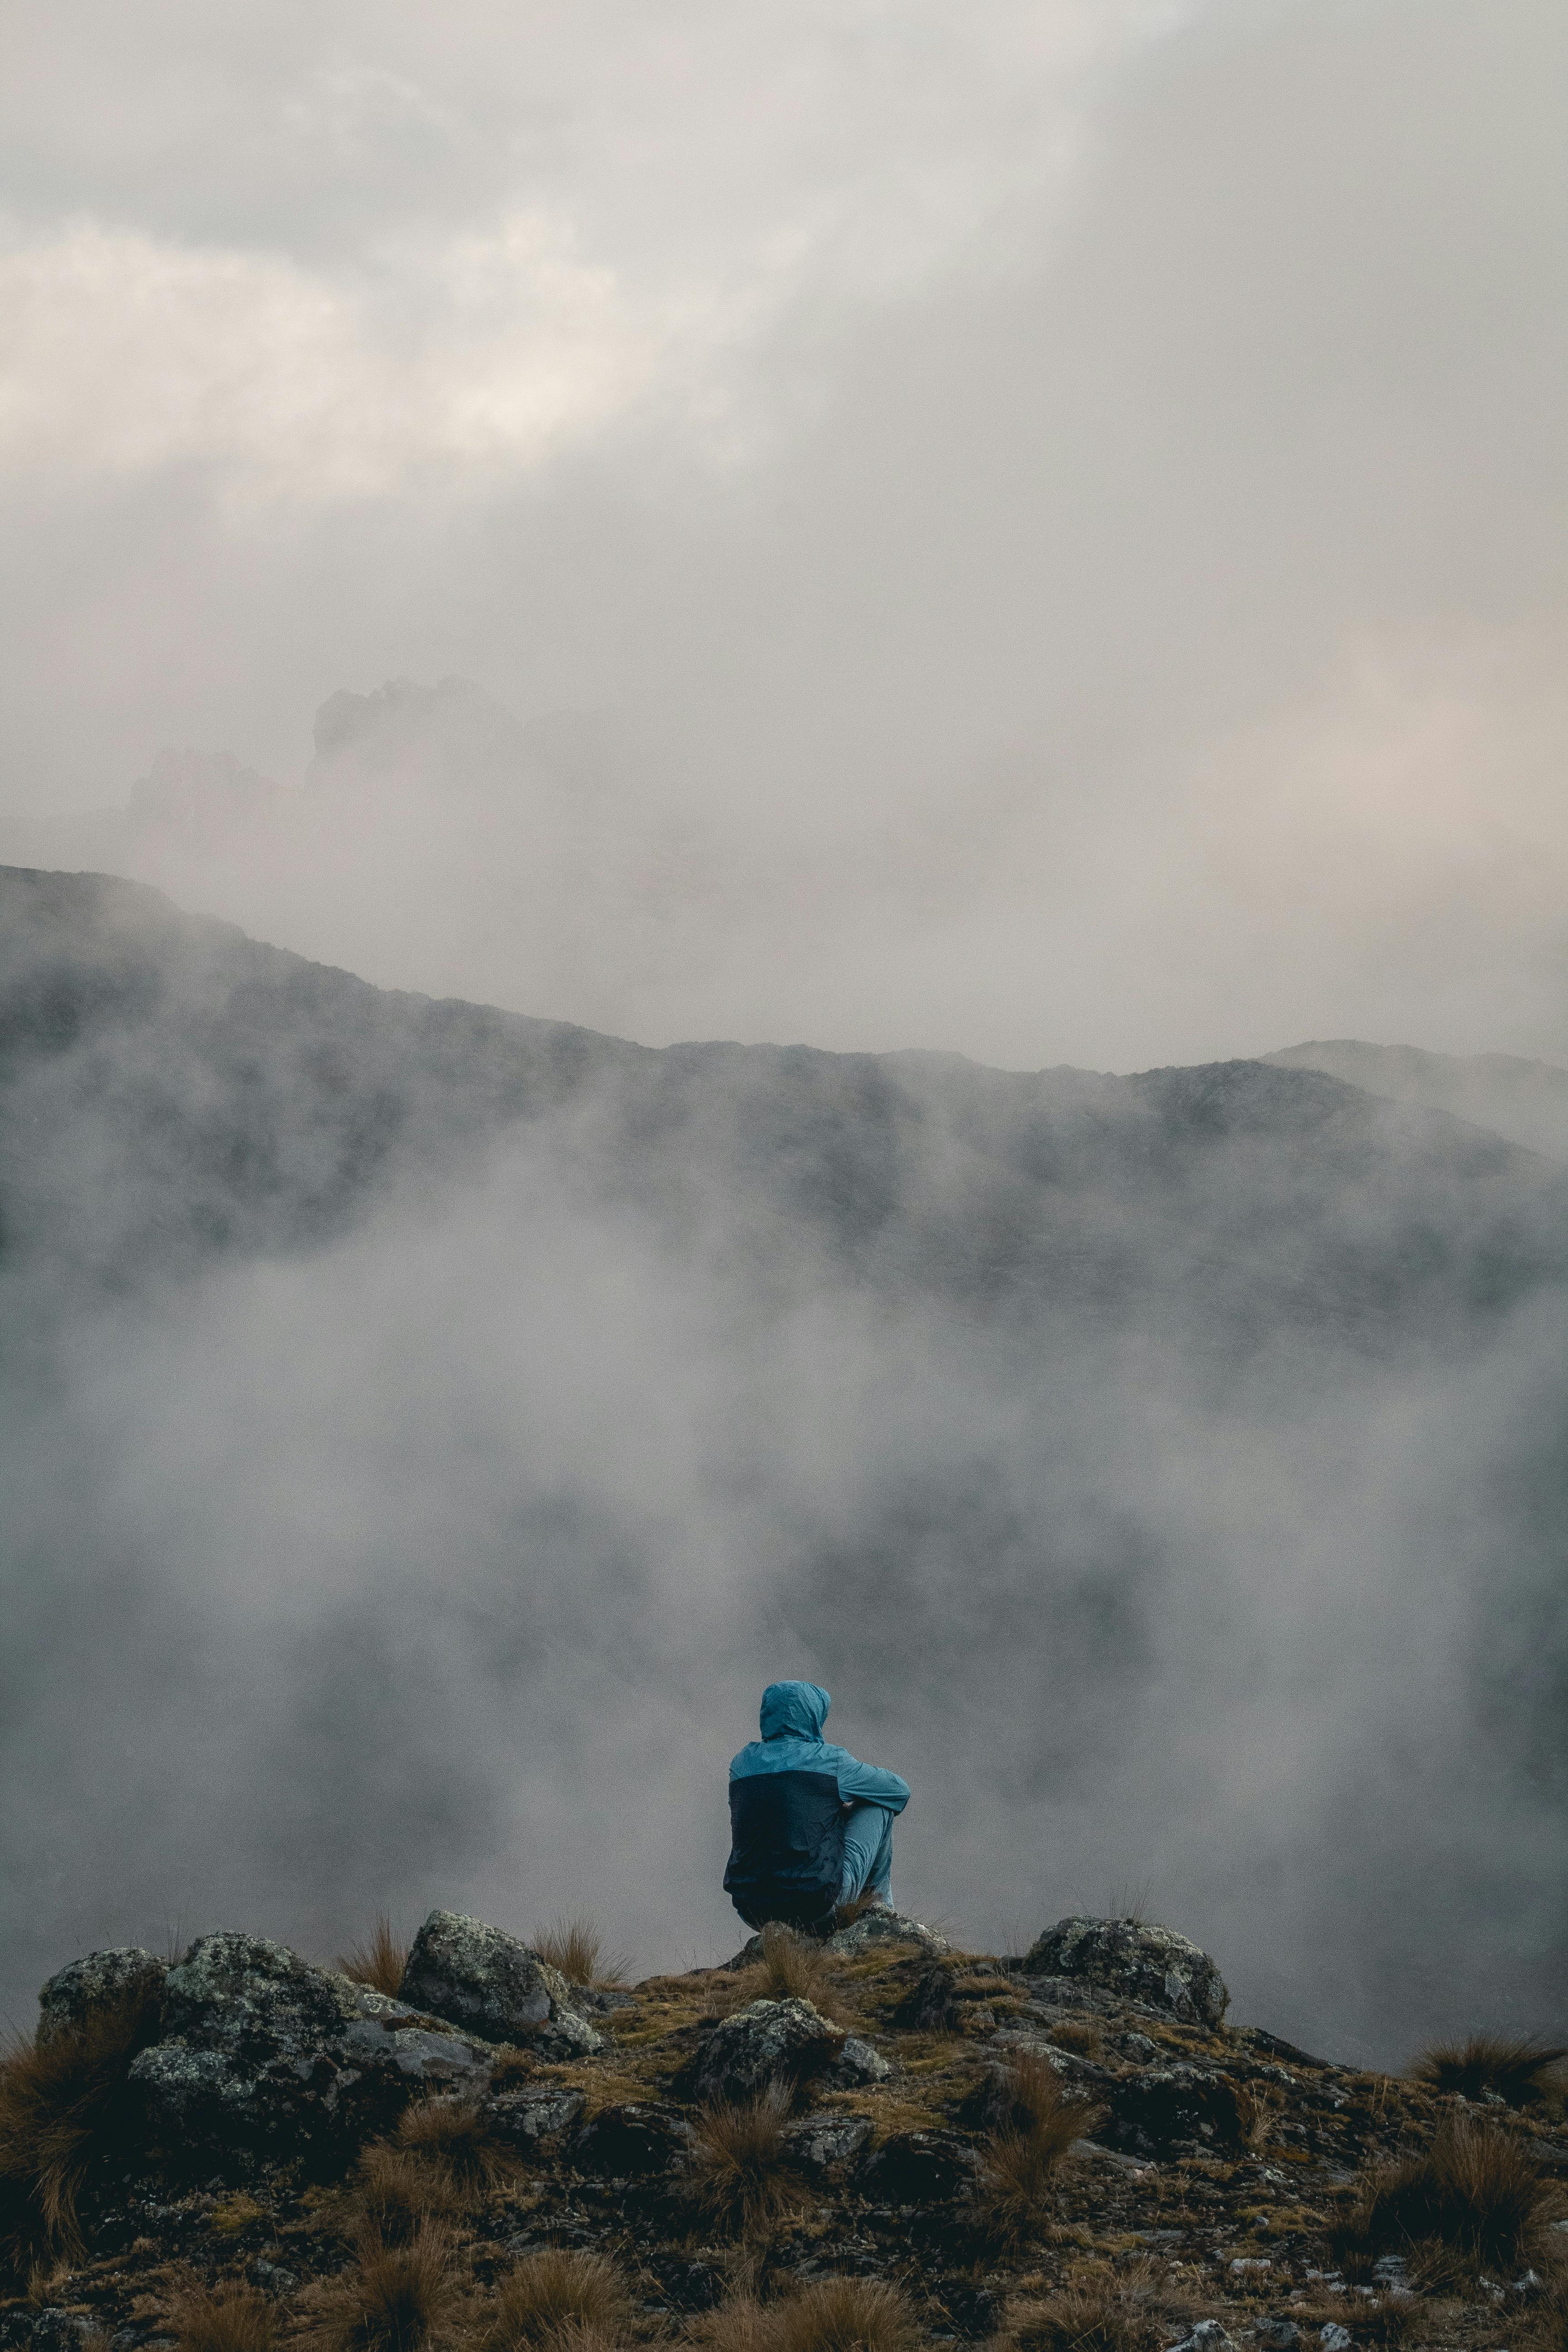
[788, 1794]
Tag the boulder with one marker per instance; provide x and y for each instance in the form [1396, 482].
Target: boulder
[1151, 1965]
[101, 1981]
[767, 2042]
[856, 2063]
[262, 2050]
[490, 1984]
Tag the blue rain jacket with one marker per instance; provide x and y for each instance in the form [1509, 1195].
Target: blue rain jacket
[789, 1793]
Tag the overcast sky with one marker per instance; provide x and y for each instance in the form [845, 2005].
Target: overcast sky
[1058, 509]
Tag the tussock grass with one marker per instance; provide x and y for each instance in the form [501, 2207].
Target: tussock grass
[1518, 2068]
[555, 2299]
[835, 2314]
[791, 1967]
[64, 2110]
[394, 2298]
[741, 2175]
[1387, 2320]
[380, 1962]
[1102, 2311]
[224, 2319]
[577, 1949]
[399, 2197]
[1476, 2194]
[453, 2135]
[1018, 2174]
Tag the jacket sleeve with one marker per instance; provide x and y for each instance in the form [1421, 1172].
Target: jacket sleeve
[868, 1784]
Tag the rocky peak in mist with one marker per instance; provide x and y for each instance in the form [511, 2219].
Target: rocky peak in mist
[1525, 1100]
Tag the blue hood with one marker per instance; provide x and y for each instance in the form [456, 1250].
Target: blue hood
[800, 1708]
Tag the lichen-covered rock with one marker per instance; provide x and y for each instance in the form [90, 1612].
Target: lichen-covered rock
[98, 1981]
[262, 2051]
[821, 2141]
[633, 2142]
[1153, 1964]
[484, 1980]
[882, 1925]
[522, 2118]
[767, 2042]
[856, 2063]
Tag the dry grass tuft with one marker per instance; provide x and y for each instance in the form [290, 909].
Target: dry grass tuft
[1517, 2068]
[224, 2319]
[1102, 2311]
[791, 1967]
[380, 1963]
[555, 2299]
[394, 2298]
[741, 2175]
[577, 1949]
[1018, 2174]
[64, 2109]
[836, 2315]
[1476, 2194]
[453, 2133]
[399, 2197]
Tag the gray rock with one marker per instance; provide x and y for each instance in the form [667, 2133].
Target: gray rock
[486, 1981]
[522, 2118]
[1151, 1965]
[1334, 2338]
[882, 1925]
[97, 1982]
[821, 2141]
[767, 2042]
[1209, 2336]
[1279, 2334]
[1165, 2105]
[58, 2330]
[261, 2050]
[272, 2277]
[856, 2063]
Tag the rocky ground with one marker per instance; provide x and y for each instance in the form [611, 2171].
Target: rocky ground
[259, 2114]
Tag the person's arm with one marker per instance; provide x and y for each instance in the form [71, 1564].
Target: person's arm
[868, 1784]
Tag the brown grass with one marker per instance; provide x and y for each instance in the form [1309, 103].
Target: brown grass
[224, 2319]
[1018, 2174]
[394, 2298]
[65, 2109]
[791, 1967]
[380, 1963]
[453, 2133]
[1518, 2068]
[576, 1949]
[399, 2197]
[835, 2314]
[1476, 2194]
[553, 2298]
[1099, 2313]
[741, 2175]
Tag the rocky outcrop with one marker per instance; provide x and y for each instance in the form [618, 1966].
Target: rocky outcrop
[636, 2141]
[923, 2168]
[882, 1925]
[262, 2051]
[98, 1981]
[821, 2141]
[1168, 2106]
[768, 2042]
[521, 2119]
[1151, 1965]
[491, 1985]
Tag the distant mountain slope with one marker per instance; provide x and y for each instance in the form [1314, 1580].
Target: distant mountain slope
[1525, 1101]
[174, 1091]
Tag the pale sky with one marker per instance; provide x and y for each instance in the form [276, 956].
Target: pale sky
[1056, 511]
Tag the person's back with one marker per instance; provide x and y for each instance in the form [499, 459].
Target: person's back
[812, 1827]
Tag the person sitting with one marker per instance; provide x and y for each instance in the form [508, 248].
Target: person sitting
[812, 1826]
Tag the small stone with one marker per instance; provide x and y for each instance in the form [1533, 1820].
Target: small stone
[882, 1925]
[1209, 2336]
[824, 2140]
[1279, 2334]
[856, 2063]
[1245, 2263]
[522, 2118]
[1334, 2337]
[272, 2278]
